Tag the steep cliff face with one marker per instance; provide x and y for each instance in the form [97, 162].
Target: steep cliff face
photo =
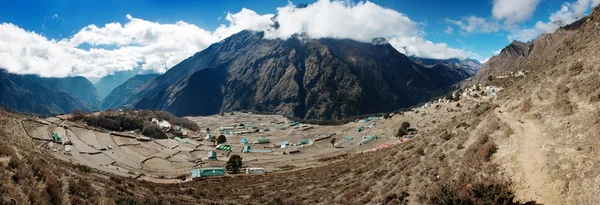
[123, 91]
[315, 78]
[21, 94]
[78, 87]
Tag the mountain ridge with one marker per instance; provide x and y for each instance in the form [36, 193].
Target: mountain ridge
[123, 91]
[21, 94]
[313, 78]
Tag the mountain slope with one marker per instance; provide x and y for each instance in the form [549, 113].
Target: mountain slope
[79, 87]
[557, 94]
[21, 94]
[470, 66]
[324, 78]
[506, 61]
[107, 83]
[123, 91]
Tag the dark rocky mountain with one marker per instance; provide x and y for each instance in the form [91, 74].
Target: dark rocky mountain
[21, 94]
[78, 87]
[314, 78]
[471, 66]
[107, 83]
[123, 91]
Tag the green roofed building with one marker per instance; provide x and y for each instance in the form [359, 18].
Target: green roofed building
[305, 141]
[368, 139]
[262, 141]
[207, 172]
[56, 137]
[360, 129]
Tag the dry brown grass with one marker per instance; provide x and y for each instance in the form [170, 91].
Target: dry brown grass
[526, 105]
[562, 105]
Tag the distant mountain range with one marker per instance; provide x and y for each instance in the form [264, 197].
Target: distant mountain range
[315, 78]
[22, 94]
[310, 78]
[108, 83]
[79, 87]
[471, 66]
[123, 91]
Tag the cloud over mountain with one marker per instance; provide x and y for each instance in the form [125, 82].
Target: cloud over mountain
[100, 50]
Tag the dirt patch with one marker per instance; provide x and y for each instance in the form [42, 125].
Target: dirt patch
[523, 158]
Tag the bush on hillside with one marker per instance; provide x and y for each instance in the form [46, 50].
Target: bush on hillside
[184, 122]
[153, 131]
[403, 129]
[221, 139]
[481, 192]
[116, 122]
[234, 163]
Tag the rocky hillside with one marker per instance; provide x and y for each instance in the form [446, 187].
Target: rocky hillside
[79, 87]
[316, 78]
[123, 91]
[21, 94]
[555, 95]
[504, 62]
[471, 66]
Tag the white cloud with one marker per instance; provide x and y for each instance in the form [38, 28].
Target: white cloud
[471, 24]
[568, 13]
[138, 44]
[423, 48]
[514, 11]
[362, 21]
[496, 52]
[449, 30]
[158, 46]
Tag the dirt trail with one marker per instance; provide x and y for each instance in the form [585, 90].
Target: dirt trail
[523, 157]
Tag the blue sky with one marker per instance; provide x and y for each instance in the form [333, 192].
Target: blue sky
[458, 28]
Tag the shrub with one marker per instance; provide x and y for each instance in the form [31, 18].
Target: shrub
[446, 136]
[403, 129]
[526, 105]
[234, 163]
[221, 139]
[115, 122]
[486, 151]
[152, 130]
[184, 122]
[386, 116]
[83, 168]
[164, 115]
[81, 188]
[480, 192]
[6, 150]
[78, 115]
[130, 122]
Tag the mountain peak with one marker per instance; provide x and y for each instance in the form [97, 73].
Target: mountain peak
[324, 78]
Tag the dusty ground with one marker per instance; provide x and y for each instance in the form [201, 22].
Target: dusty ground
[163, 160]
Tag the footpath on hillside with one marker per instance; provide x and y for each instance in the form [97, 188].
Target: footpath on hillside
[524, 159]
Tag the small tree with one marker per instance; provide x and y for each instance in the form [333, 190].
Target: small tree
[152, 130]
[386, 116]
[234, 163]
[221, 139]
[403, 129]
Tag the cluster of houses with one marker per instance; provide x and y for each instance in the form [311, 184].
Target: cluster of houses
[242, 128]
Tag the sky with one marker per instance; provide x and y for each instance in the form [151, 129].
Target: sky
[95, 38]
